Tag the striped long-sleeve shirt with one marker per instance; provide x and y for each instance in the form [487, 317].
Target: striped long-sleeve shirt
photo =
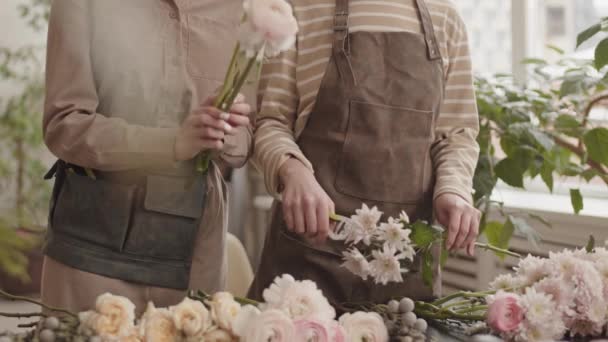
[291, 81]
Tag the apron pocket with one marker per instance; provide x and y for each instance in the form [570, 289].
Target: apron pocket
[166, 217]
[385, 153]
[95, 211]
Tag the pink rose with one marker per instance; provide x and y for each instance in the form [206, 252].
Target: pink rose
[311, 330]
[504, 313]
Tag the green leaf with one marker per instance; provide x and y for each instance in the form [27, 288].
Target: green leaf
[596, 141]
[568, 124]
[423, 234]
[571, 86]
[543, 139]
[522, 227]
[484, 180]
[601, 54]
[499, 235]
[577, 200]
[511, 172]
[589, 174]
[556, 49]
[445, 254]
[590, 244]
[427, 267]
[534, 61]
[546, 174]
[587, 34]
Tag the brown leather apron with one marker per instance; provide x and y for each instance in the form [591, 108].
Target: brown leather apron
[369, 139]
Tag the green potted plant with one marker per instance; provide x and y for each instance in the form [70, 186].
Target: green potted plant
[21, 168]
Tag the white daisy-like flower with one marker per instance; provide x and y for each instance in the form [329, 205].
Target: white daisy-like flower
[385, 267]
[356, 262]
[403, 216]
[364, 225]
[395, 236]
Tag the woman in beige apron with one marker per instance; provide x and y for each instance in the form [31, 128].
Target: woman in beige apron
[127, 83]
[368, 139]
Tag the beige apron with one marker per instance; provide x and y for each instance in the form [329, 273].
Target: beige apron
[369, 139]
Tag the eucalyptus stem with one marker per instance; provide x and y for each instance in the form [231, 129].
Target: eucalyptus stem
[495, 249]
[29, 300]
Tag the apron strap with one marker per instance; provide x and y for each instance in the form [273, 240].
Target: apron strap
[341, 45]
[429, 31]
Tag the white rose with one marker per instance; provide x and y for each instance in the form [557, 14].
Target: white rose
[364, 326]
[268, 21]
[157, 325]
[224, 310]
[113, 317]
[191, 317]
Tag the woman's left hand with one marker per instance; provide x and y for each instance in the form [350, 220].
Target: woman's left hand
[461, 220]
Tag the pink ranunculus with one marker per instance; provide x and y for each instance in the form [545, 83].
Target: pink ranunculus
[337, 333]
[504, 313]
[312, 330]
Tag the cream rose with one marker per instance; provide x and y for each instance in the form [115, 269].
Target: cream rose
[364, 326]
[113, 317]
[224, 310]
[157, 325]
[191, 317]
[217, 335]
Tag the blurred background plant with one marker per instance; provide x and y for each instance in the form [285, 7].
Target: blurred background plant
[21, 165]
[541, 129]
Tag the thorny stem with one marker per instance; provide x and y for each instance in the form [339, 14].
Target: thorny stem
[29, 300]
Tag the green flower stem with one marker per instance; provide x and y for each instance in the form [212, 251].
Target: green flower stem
[203, 296]
[448, 315]
[456, 304]
[225, 100]
[473, 309]
[463, 294]
[29, 300]
[495, 249]
[22, 315]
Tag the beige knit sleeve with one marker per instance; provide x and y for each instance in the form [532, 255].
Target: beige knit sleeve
[278, 102]
[456, 151]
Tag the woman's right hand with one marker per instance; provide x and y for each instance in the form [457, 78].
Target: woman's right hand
[206, 127]
[306, 206]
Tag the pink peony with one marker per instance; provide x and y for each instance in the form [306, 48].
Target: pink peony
[504, 313]
[337, 332]
[269, 22]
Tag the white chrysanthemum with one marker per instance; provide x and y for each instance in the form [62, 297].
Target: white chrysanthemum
[532, 269]
[385, 267]
[506, 282]
[356, 262]
[541, 322]
[395, 236]
[298, 299]
[364, 225]
[601, 266]
[564, 263]
[538, 306]
[560, 290]
[589, 293]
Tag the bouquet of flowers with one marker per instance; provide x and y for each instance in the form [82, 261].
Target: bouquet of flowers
[385, 251]
[549, 298]
[267, 29]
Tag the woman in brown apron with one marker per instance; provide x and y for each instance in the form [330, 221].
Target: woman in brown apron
[369, 139]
